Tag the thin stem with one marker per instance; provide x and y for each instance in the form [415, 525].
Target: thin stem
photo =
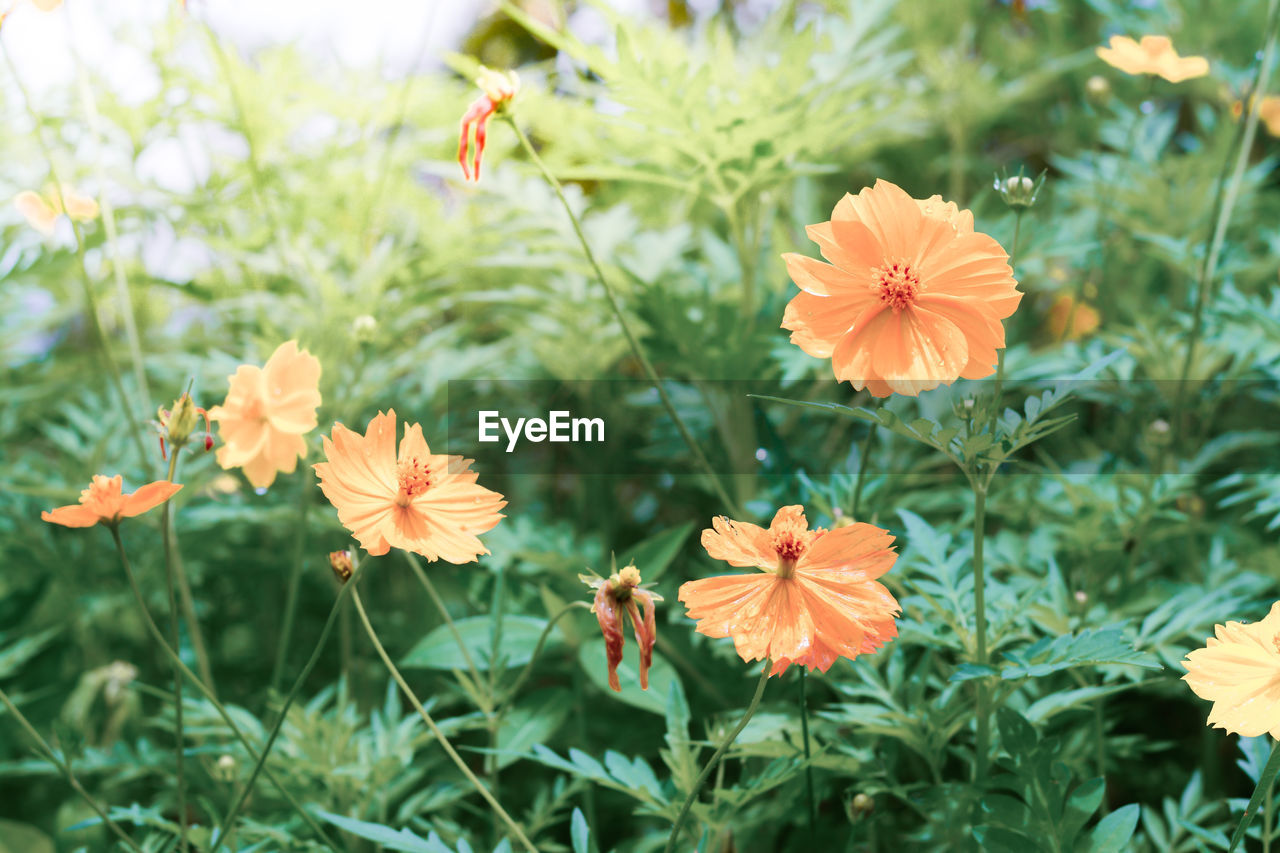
[634, 342]
[158, 636]
[228, 825]
[1268, 815]
[431, 724]
[1223, 205]
[43, 747]
[863, 455]
[166, 532]
[715, 758]
[1013, 254]
[808, 768]
[472, 670]
[542, 641]
[980, 628]
[295, 580]
[86, 284]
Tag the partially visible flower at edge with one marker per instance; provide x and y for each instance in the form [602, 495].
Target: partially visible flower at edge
[618, 593]
[1268, 112]
[105, 503]
[499, 90]
[412, 499]
[267, 411]
[1153, 55]
[42, 214]
[1238, 670]
[815, 599]
[913, 296]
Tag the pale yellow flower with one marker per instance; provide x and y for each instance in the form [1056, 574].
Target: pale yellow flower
[1239, 671]
[1153, 55]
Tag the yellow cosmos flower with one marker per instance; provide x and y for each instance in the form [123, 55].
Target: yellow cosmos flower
[1153, 55]
[1238, 670]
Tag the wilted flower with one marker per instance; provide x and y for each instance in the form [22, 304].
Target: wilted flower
[1153, 55]
[913, 297]
[416, 500]
[340, 562]
[266, 413]
[1239, 672]
[42, 214]
[104, 502]
[816, 598]
[619, 593]
[499, 89]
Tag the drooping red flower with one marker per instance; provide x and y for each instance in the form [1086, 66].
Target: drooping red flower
[614, 596]
[499, 89]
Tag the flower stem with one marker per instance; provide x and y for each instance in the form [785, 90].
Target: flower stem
[1013, 254]
[1223, 204]
[228, 822]
[980, 629]
[808, 768]
[537, 649]
[166, 532]
[431, 724]
[158, 636]
[472, 670]
[1268, 815]
[48, 752]
[715, 758]
[634, 342]
[295, 581]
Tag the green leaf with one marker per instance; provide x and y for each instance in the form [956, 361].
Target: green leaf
[1016, 735]
[439, 649]
[996, 839]
[661, 676]
[392, 839]
[534, 720]
[580, 833]
[1091, 646]
[1113, 832]
[23, 838]
[1081, 805]
[652, 556]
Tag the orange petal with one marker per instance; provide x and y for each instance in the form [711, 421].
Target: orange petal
[738, 543]
[74, 515]
[148, 497]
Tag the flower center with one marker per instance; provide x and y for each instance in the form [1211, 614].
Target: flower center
[412, 474]
[898, 284]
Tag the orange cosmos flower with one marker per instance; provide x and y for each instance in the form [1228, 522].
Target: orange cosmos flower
[499, 90]
[42, 214]
[817, 598]
[1153, 55]
[913, 296]
[104, 502]
[416, 500]
[1071, 319]
[266, 413]
[1239, 672]
[619, 593]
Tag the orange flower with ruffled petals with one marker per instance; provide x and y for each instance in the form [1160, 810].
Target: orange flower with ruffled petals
[1238, 670]
[414, 499]
[104, 502]
[266, 413]
[816, 599]
[912, 298]
[1153, 55]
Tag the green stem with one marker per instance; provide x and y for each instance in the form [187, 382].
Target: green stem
[158, 636]
[715, 758]
[808, 768]
[1013, 254]
[632, 341]
[43, 747]
[295, 581]
[472, 670]
[1268, 815]
[228, 825]
[166, 532]
[537, 649]
[863, 455]
[91, 302]
[435, 730]
[1223, 205]
[980, 629]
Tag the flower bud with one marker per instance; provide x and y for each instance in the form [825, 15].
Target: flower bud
[178, 423]
[1019, 191]
[859, 807]
[1097, 89]
[340, 562]
[225, 768]
[1158, 433]
[364, 327]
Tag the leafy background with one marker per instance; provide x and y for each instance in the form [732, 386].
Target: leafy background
[696, 141]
